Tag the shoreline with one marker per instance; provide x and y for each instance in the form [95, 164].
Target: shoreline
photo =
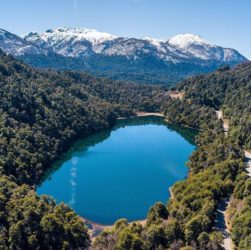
[171, 193]
[181, 125]
[142, 114]
[146, 114]
[95, 228]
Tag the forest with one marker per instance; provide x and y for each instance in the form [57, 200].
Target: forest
[148, 70]
[42, 112]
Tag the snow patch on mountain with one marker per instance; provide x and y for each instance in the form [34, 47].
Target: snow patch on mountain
[153, 41]
[77, 34]
[83, 43]
[15, 45]
[185, 40]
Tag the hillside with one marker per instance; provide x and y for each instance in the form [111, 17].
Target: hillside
[228, 89]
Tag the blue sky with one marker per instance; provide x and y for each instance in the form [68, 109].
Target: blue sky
[223, 22]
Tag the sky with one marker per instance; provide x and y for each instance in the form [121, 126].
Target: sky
[223, 22]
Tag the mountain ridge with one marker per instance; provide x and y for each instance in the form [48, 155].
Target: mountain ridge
[178, 46]
[145, 60]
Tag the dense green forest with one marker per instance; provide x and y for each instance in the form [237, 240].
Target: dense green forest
[148, 69]
[32, 222]
[43, 112]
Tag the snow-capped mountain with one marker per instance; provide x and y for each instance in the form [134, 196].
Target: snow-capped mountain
[143, 60]
[77, 42]
[17, 46]
[73, 42]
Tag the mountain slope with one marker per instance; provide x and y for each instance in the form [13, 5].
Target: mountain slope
[140, 60]
[76, 42]
[15, 45]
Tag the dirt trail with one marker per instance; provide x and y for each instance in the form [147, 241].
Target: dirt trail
[221, 225]
[225, 122]
[221, 221]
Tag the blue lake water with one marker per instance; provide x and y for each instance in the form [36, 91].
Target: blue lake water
[122, 172]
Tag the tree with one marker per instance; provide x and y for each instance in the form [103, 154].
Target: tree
[156, 212]
[129, 241]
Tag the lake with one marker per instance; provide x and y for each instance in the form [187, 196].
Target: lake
[122, 172]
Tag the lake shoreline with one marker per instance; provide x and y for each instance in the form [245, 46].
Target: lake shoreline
[95, 228]
[181, 125]
[146, 114]
[141, 114]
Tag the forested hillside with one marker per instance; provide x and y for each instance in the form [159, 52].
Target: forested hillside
[42, 112]
[41, 115]
[230, 90]
[143, 70]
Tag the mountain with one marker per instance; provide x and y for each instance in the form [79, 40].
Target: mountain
[79, 43]
[71, 42]
[140, 60]
[17, 46]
